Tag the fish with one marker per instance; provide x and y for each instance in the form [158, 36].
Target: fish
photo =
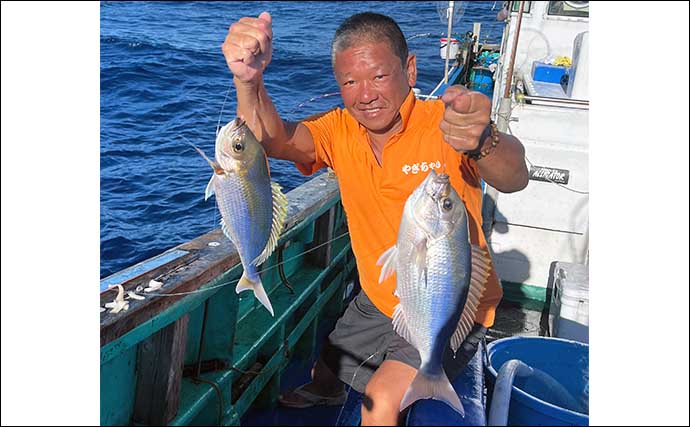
[440, 278]
[252, 207]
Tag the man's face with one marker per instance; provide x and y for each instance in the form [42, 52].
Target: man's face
[373, 84]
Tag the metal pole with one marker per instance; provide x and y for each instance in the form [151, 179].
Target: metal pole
[506, 92]
[449, 12]
[476, 29]
[504, 106]
[502, 117]
[557, 100]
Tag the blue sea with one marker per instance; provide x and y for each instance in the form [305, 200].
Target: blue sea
[163, 84]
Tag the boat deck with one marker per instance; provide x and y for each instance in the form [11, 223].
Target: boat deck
[512, 319]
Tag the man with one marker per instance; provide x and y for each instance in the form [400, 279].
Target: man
[381, 147]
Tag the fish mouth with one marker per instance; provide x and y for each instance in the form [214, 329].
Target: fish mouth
[438, 185]
[441, 178]
[233, 128]
[232, 131]
[236, 126]
[237, 123]
[424, 212]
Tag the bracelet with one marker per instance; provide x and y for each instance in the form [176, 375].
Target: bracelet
[479, 153]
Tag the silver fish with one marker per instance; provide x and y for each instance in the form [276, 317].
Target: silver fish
[252, 208]
[440, 278]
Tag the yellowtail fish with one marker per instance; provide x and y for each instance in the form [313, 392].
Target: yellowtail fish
[252, 208]
[440, 278]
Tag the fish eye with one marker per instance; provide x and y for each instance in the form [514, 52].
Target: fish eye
[446, 204]
[237, 146]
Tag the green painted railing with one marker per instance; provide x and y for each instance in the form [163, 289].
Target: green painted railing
[194, 352]
[528, 296]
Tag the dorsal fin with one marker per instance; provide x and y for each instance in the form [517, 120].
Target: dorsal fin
[280, 205]
[480, 273]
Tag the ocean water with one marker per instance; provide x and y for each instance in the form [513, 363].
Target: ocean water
[164, 81]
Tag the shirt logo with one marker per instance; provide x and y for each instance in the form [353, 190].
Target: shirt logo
[423, 167]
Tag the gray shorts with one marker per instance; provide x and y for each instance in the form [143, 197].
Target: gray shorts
[364, 336]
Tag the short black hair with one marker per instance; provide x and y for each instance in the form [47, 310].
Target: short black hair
[369, 27]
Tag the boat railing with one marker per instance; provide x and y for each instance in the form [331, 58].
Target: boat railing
[194, 351]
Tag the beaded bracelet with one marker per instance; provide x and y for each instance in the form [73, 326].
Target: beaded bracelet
[479, 153]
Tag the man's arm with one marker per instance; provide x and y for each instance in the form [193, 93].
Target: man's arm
[505, 169]
[465, 118]
[248, 50]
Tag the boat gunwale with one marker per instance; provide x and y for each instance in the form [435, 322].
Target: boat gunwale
[204, 264]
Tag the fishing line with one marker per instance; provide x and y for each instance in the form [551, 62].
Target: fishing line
[347, 395]
[312, 99]
[443, 150]
[418, 35]
[297, 108]
[531, 165]
[507, 116]
[559, 184]
[215, 211]
[221, 109]
[307, 251]
[260, 271]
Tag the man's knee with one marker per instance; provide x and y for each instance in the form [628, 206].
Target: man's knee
[384, 392]
[380, 400]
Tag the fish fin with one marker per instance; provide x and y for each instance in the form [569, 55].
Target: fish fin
[225, 229]
[218, 169]
[209, 188]
[481, 265]
[280, 205]
[428, 387]
[400, 324]
[258, 288]
[419, 259]
[387, 260]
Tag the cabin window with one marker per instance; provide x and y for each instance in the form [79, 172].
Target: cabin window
[579, 9]
[515, 7]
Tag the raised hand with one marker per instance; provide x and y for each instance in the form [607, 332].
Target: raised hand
[247, 47]
[467, 114]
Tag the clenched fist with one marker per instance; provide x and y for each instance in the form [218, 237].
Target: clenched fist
[247, 47]
[467, 114]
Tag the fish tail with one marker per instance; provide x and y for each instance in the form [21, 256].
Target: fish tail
[258, 288]
[432, 387]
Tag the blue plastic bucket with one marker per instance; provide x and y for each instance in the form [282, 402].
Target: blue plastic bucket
[482, 81]
[531, 402]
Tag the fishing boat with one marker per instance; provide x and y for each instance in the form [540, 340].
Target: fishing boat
[180, 347]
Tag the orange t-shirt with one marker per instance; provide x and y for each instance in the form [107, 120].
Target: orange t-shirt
[374, 196]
